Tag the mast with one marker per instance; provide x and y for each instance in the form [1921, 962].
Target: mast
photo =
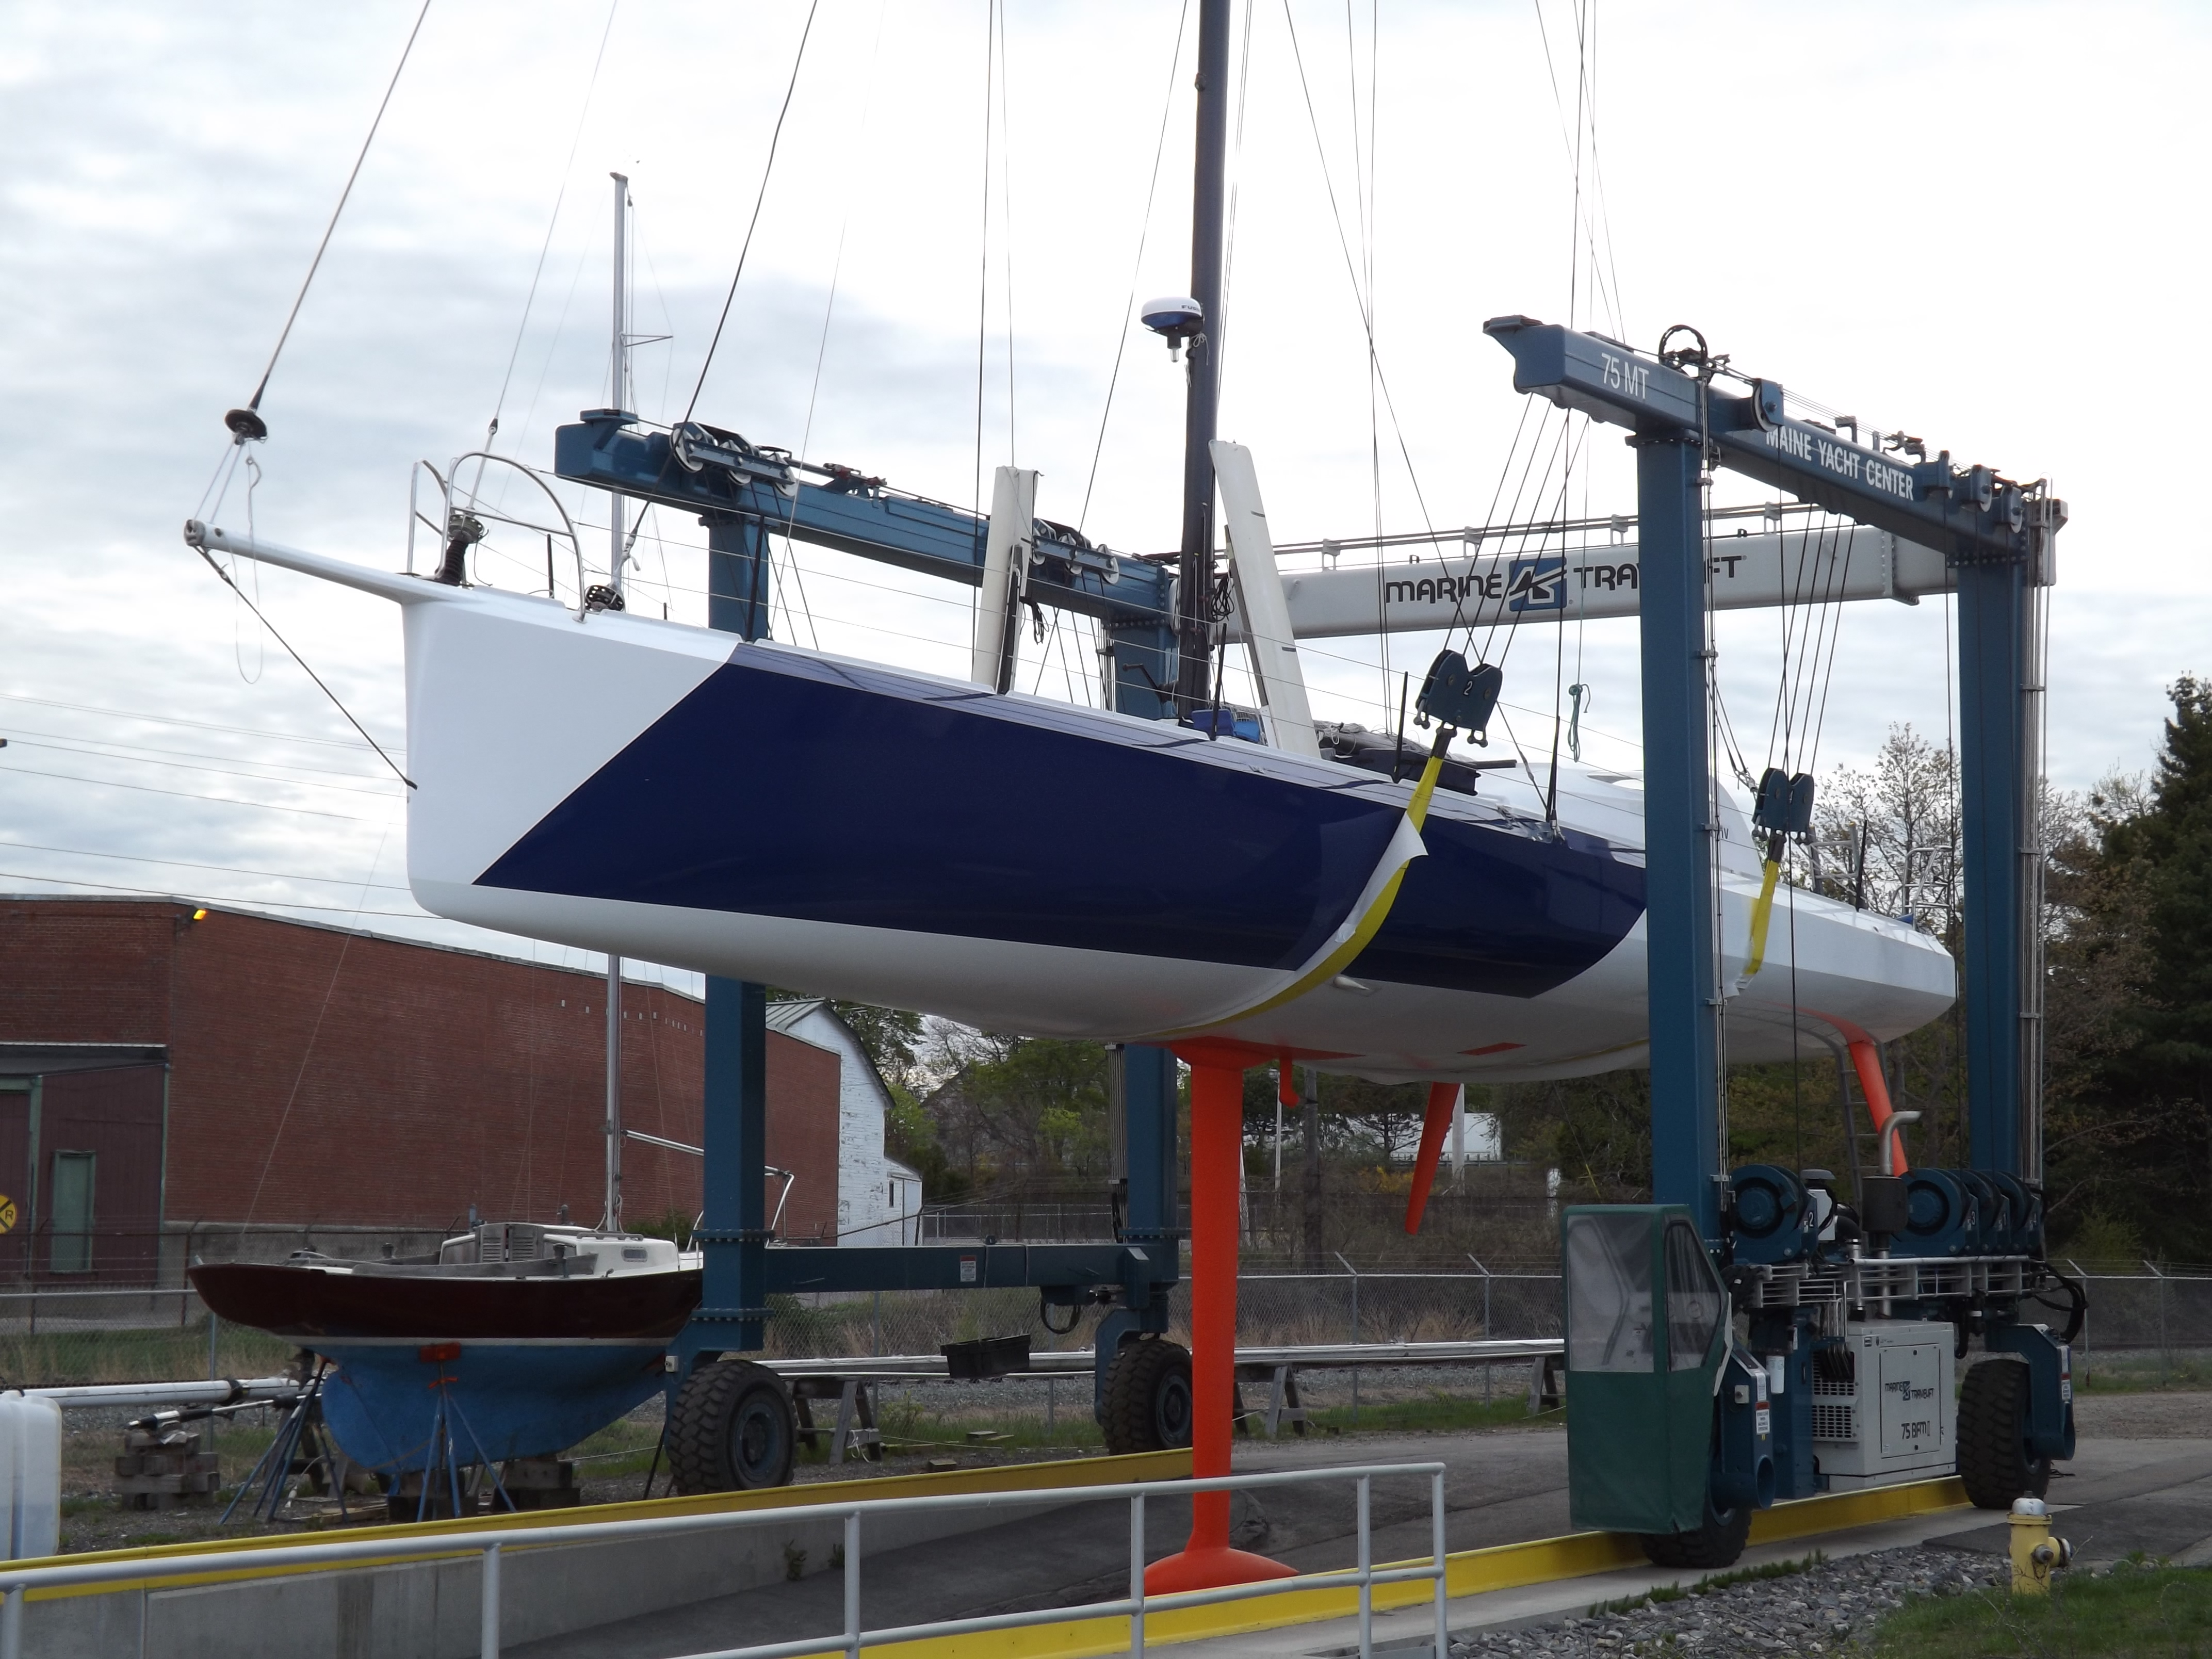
[1193, 618]
[618, 387]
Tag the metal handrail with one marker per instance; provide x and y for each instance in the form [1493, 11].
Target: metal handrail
[16, 1581]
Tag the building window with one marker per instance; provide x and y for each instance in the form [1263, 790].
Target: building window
[72, 1211]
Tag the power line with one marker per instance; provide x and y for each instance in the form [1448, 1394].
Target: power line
[174, 720]
[187, 864]
[209, 898]
[187, 794]
[191, 766]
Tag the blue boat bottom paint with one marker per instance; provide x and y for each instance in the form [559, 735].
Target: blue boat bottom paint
[500, 1399]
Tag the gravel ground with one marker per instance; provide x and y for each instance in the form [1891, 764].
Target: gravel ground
[1829, 1608]
[2175, 1416]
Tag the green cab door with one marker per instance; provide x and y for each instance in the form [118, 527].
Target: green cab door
[1645, 1319]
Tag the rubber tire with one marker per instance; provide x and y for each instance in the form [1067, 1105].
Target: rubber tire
[1994, 1462]
[733, 1429]
[1148, 1399]
[1715, 1545]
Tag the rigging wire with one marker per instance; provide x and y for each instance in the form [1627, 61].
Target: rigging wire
[213, 565]
[544, 248]
[983, 251]
[1144, 231]
[768, 172]
[1351, 270]
[315, 263]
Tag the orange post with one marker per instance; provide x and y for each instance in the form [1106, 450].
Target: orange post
[1444, 1099]
[1216, 1151]
[1866, 1060]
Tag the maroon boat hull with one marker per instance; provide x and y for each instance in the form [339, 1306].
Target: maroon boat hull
[307, 1304]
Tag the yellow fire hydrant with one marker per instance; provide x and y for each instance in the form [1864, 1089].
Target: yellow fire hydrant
[2035, 1553]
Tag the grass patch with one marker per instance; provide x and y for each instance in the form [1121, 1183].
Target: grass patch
[2138, 1612]
[67, 1356]
[2137, 1373]
[1659, 1593]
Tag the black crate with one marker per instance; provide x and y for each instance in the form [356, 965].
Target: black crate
[986, 1357]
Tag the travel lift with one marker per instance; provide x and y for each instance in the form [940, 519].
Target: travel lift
[1682, 1429]
[1842, 1374]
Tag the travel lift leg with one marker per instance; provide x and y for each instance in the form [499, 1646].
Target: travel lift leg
[1217, 1153]
[732, 1423]
[1998, 537]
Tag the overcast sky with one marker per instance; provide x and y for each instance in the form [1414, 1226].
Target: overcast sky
[1968, 222]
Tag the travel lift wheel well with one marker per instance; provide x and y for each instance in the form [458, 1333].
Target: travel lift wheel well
[733, 1428]
[1148, 1402]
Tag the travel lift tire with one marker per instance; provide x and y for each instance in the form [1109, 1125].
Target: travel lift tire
[1148, 1400]
[733, 1429]
[1715, 1545]
[1994, 1461]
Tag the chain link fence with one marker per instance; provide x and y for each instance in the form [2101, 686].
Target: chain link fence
[2150, 1327]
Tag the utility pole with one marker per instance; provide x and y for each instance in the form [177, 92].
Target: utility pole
[616, 511]
[1194, 601]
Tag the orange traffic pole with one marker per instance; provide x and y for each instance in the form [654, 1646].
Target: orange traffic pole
[1217, 1152]
[1444, 1097]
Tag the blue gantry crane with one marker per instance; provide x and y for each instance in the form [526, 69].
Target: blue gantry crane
[1853, 1323]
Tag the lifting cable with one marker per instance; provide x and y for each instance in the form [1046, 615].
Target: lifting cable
[1136, 274]
[499, 404]
[768, 172]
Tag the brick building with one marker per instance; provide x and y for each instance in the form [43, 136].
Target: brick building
[176, 1082]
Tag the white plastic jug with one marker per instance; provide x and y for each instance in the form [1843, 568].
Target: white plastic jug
[31, 1475]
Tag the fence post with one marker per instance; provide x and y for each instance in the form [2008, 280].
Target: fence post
[1366, 1578]
[853, 1585]
[1136, 1577]
[2160, 1277]
[2084, 1277]
[214, 1326]
[1436, 1544]
[1354, 1272]
[11, 1623]
[490, 1597]
[1487, 1370]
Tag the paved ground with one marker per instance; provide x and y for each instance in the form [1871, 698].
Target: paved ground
[2135, 1489]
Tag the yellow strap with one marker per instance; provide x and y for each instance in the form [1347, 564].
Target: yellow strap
[1417, 812]
[1761, 913]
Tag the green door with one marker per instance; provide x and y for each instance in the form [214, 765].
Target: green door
[1644, 1316]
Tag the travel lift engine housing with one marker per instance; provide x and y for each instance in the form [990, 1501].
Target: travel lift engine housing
[1748, 1339]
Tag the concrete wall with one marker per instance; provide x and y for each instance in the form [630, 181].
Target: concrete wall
[432, 1610]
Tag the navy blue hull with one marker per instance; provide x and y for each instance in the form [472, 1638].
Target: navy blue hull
[767, 792]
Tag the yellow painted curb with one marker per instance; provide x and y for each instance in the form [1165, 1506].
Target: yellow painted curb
[1060, 1474]
[1466, 1572]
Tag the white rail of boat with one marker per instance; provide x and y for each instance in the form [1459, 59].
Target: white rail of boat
[16, 1581]
[1319, 1356]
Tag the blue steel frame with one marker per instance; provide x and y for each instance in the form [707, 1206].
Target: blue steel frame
[2000, 536]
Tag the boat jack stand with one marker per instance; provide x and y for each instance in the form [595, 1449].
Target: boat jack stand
[1216, 1151]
